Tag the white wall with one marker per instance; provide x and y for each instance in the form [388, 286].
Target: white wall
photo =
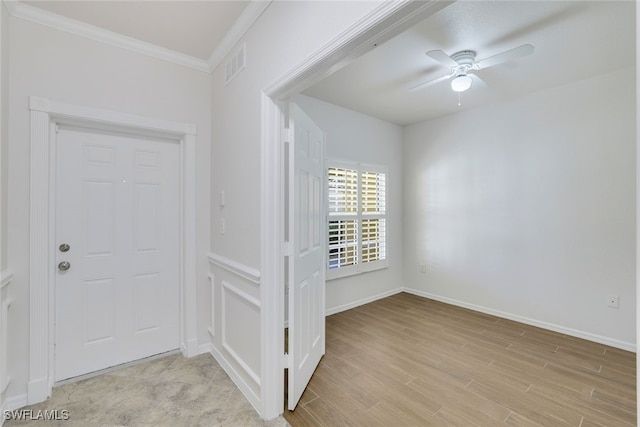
[281, 39]
[356, 137]
[528, 207]
[285, 34]
[66, 68]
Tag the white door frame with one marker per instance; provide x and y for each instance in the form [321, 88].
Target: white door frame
[45, 115]
[383, 23]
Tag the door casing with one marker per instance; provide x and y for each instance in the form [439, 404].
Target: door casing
[383, 23]
[45, 116]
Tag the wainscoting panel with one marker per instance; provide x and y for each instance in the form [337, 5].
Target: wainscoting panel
[241, 309]
[234, 325]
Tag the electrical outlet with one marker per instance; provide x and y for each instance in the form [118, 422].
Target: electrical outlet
[613, 301]
[423, 268]
[223, 226]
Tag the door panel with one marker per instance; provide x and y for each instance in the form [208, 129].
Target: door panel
[306, 269]
[117, 208]
[99, 310]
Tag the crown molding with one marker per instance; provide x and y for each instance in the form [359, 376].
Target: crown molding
[248, 16]
[53, 20]
[388, 19]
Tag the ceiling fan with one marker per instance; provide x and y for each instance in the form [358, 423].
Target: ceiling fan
[462, 63]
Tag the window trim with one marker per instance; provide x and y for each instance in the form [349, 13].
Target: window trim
[359, 267]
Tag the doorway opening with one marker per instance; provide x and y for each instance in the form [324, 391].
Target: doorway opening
[386, 21]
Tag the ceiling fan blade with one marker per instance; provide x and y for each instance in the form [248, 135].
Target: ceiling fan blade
[508, 55]
[442, 58]
[430, 83]
[477, 81]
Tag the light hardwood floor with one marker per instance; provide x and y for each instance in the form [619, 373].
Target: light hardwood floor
[411, 361]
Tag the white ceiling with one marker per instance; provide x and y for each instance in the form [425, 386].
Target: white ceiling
[194, 28]
[573, 40]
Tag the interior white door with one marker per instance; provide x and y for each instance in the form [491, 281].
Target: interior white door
[306, 275]
[117, 299]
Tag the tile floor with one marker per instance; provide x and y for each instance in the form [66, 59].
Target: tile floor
[168, 391]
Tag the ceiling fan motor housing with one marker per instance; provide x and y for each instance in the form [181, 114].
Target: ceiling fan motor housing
[465, 59]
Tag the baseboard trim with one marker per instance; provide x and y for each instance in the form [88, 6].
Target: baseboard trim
[189, 348]
[354, 304]
[528, 321]
[11, 404]
[235, 377]
[205, 348]
[38, 390]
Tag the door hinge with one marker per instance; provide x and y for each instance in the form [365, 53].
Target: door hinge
[285, 360]
[57, 128]
[287, 134]
[286, 249]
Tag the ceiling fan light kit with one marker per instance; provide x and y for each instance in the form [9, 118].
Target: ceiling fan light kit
[461, 83]
[462, 64]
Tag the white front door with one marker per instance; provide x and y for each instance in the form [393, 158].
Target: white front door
[306, 275]
[116, 207]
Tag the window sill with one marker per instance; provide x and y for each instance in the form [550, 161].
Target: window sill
[341, 273]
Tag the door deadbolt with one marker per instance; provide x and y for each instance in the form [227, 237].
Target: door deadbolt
[64, 247]
[64, 266]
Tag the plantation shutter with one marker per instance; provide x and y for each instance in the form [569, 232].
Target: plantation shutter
[356, 218]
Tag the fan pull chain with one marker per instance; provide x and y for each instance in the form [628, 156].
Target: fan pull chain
[459, 97]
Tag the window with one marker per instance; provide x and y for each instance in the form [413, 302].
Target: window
[356, 218]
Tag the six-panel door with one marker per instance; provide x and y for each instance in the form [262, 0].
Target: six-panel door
[117, 210]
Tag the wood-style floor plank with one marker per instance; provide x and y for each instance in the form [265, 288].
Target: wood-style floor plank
[411, 361]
